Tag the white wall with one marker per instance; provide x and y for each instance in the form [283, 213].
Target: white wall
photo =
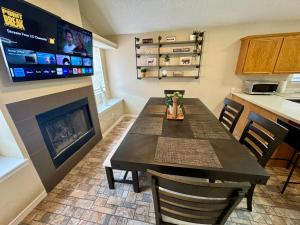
[221, 49]
[23, 187]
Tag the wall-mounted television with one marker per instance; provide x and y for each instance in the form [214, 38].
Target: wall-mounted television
[38, 45]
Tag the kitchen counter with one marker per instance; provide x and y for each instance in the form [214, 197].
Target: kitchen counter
[278, 105]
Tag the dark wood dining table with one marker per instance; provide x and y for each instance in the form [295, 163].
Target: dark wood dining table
[139, 149]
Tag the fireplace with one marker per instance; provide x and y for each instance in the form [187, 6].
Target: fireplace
[66, 129]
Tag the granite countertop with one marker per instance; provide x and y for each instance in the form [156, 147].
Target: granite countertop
[278, 105]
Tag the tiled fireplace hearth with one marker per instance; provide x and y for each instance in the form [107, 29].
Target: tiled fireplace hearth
[57, 130]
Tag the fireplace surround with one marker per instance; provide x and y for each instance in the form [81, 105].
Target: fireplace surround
[55, 153]
[65, 129]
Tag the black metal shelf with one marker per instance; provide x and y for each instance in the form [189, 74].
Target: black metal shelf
[197, 44]
[196, 77]
[173, 66]
[149, 67]
[180, 53]
[171, 54]
[180, 43]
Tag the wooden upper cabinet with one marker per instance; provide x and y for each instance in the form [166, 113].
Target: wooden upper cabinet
[289, 57]
[259, 55]
[269, 54]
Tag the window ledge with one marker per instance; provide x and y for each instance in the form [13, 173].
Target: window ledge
[101, 108]
[10, 165]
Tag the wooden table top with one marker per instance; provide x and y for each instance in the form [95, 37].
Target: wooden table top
[137, 150]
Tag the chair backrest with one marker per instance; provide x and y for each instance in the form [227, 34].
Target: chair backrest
[293, 136]
[193, 201]
[230, 114]
[169, 92]
[262, 137]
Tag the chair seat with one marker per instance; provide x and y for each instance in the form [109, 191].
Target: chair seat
[106, 162]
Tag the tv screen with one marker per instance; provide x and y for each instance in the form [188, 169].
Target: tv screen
[38, 45]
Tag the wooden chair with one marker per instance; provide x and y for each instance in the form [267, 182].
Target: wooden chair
[261, 136]
[178, 200]
[292, 139]
[169, 92]
[230, 114]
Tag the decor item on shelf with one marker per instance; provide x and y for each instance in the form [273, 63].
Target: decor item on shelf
[198, 36]
[185, 61]
[181, 49]
[167, 59]
[178, 73]
[193, 36]
[174, 106]
[147, 40]
[164, 73]
[170, 38]
[143, 72]
[151, 61]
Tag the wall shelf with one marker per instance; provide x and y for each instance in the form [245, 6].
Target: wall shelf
[195, 53]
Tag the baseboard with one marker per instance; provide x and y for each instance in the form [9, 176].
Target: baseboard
[28, 209]
[112, 126]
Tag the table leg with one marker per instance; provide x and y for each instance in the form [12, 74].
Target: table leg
[250, 197]
[110, 177]
[135, 180]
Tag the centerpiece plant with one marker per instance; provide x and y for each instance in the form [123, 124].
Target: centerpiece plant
[174, 104]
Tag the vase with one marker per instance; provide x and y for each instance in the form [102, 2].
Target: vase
[175, 106]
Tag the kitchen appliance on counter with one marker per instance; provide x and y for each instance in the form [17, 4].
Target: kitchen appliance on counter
[254, 87]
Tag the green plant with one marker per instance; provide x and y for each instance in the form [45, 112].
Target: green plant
[169, 101]
[167, 58]
[143, 70]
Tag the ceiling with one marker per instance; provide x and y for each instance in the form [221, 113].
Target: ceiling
[110, 17]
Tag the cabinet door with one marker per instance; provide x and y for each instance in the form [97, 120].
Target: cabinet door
[289, 56]
[262, 55]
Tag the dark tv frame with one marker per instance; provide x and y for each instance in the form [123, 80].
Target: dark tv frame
[42, 77]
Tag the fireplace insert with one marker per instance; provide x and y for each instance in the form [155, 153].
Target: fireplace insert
[66, 129]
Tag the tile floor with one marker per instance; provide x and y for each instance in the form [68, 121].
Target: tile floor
[83, 197]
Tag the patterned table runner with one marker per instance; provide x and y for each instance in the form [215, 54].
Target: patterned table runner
[193, 152]
[194, 109]
[207, 130]
[148, 126]
[155, 109]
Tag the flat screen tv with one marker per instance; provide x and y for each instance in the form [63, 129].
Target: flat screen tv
[39, 45]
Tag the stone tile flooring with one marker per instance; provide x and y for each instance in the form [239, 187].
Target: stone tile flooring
[83, 197]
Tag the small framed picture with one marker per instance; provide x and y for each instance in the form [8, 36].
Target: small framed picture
[151, 61]
[185, 61]
[170, 38]
[147, 40]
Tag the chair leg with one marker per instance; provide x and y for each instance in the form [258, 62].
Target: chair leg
[250, 197]
[110, 177]
[291, 159]
[135, 180]
[290, 174]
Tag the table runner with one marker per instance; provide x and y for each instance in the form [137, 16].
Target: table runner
[155, 109]
[149, 125]
[194, 109]
[193, 152]
[207, 130]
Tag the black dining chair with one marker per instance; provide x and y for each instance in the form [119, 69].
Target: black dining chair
[230, 114]
[170, 92]
[177, 199]
[261, 136]
[293, 139]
